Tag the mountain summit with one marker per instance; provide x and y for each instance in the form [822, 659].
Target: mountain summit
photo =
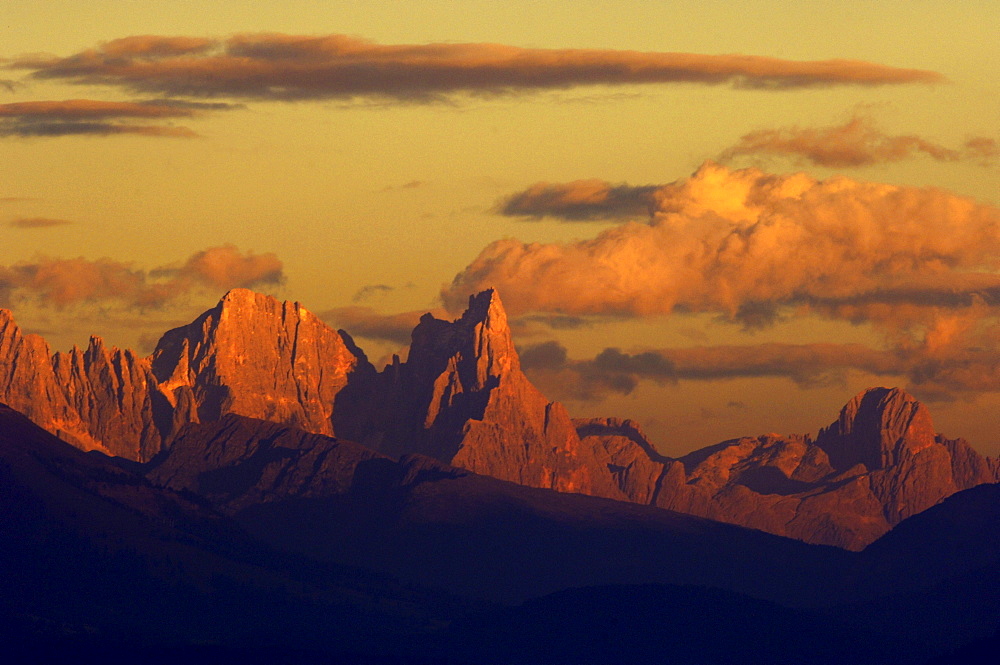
[462, 399]
[878, 428]
[257, 357]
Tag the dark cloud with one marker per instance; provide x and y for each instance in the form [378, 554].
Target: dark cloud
[288, 67]
[55, 129]
[981, 148]
[581, 200]
[553, 321]
[547, 355]
[858, 142]
[36, 222]
[413, 184]
[615, 371]
[60, 282]
[83, 117]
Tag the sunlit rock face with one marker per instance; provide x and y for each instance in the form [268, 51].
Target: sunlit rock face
[96, 398]
[110, 391]
[250, 355]
[255, 356]
[462, 398]
[878, 464]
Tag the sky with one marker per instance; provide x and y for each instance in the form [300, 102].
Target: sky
[718, 223]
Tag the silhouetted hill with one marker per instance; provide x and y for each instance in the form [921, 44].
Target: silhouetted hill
[102, 564]
[96, 559]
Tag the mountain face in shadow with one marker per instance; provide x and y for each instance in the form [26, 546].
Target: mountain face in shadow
[96, 559]
[462, 399]
[250, 541]
[441, 526]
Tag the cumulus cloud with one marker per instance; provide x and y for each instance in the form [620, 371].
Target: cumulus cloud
[278, 66]
[61, 282]
[98, 118]
[36, 222]
[739, 242]
[858, 142]
[920, 265]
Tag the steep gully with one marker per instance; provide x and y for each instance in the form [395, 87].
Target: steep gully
[462, 399]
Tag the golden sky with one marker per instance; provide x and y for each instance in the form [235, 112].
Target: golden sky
[716, 222]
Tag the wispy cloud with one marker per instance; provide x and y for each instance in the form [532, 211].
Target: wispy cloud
[97, 118]
[60, 282]
[36, 222]
[370, 291]
[857, 142]
[288, 67]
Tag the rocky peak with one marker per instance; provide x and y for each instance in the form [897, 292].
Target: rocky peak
[259, 357]
[479, 344]
[877, 428]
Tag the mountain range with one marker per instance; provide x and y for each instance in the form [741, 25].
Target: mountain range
[461, 398]
[255, 490]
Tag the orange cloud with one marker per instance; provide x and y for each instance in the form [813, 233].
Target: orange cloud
[61, 282]
[276, 66]
[858, 142]
[744, 242]
[100, 118]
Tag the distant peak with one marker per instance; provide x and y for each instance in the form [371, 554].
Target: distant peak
[877, 424]
[878, 402]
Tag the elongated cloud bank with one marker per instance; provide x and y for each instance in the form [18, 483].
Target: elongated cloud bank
[94, 117]
[581, 200]
[277, 66]
[858, 142]
[614, 371]
[742, 243]
[61, 282]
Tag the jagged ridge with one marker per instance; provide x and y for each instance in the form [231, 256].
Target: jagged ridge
[462, 399]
